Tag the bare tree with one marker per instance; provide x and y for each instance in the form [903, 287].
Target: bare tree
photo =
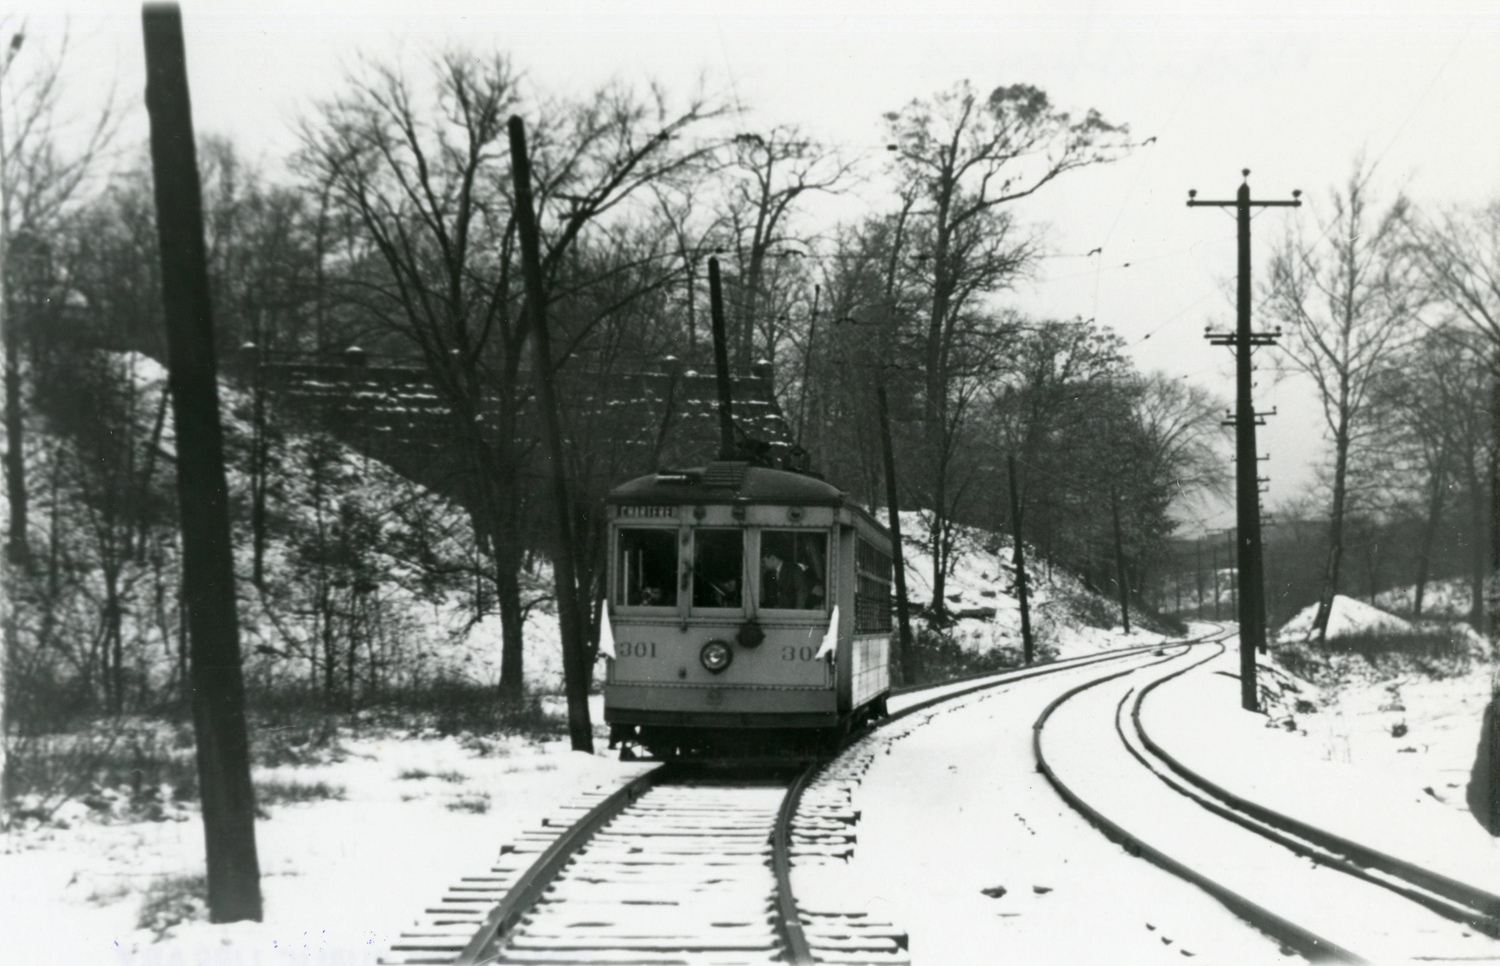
[1347, 298]
[1183, 426]
[1459, 258]
[769, 175]
[964, 157]
[40, 183]
[425, 177]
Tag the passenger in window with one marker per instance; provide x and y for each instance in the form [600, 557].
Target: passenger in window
[648, 567]
[718, 568]
[785, 585]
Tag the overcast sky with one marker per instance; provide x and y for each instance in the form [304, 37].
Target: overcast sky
[1292, 91]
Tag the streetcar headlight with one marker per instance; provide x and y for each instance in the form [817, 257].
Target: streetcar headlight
[716, 656]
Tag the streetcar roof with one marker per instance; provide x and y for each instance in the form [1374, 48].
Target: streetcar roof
[735, 483]
[728, 482]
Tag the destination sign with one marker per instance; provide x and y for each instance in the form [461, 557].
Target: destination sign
[648, 511]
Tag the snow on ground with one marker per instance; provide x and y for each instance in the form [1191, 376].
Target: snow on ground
[953, 809]
[1346, 618]
[341, 878]
[1385, 765]
[966, 847]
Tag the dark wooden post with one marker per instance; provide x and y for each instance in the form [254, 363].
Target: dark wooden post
[1028, 649]
[1114, 506]
[569, 612]
[906, 657]
[207, 562]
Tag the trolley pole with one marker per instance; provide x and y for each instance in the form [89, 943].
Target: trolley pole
[1252, 606]
[727, 448]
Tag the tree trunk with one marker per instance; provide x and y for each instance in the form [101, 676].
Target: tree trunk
[1477, 557]
[1437, 489]
[512, 628]
[15, 462]
[1335, 535]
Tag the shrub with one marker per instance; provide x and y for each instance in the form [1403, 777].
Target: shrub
[117, 769]
[1439, 643]
[478, 803]
[172, 900]
[278, 791]
[938, 657]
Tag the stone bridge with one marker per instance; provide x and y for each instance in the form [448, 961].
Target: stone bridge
[638, 421]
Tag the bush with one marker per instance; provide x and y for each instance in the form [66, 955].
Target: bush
[172, 900]
[937, 657]
[452, 707]
[277, 791]
[1439, 650]
[117, 769]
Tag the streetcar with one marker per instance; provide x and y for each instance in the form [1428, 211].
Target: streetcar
[748, 614]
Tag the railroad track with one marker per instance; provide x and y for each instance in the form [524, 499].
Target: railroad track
[1308, 928]
[682, 865]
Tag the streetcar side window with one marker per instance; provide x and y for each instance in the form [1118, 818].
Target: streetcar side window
[718, 567]
[646, 574]
[793, 569]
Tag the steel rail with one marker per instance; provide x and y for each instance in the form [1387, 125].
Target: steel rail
[529, 888]
[1298, 938]
[789, 921]
[995, 679]
[1446, 896]
[788, 917]
[535, 880]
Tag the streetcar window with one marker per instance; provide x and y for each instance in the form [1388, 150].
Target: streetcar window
[718, 567]
[793, 569]
[647, 574]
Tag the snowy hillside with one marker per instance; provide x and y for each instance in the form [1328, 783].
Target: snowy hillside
[1347, 617]
[1449, 597]
[1066, 618]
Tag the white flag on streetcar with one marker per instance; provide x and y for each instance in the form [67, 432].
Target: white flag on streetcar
[606, 634]
[831, 639]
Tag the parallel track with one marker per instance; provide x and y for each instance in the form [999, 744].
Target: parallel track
[679, 865]
[1455, 900]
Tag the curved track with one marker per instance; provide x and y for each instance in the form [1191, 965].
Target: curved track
[681, 865]
[1316, 892]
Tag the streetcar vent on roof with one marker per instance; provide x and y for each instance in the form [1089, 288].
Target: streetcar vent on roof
[725, 474]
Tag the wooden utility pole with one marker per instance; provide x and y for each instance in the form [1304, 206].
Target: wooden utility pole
[1252, 609]
[1018, 557]
[1114, 507]
[1214, 552]
[565, 578]
[207, 561]
[1198, 572]
[906, 658]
